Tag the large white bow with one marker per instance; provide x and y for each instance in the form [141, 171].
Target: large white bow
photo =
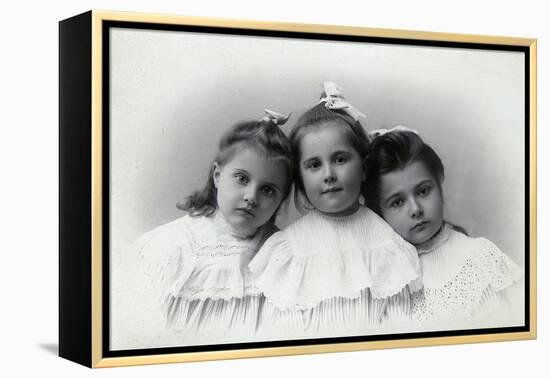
[335, 101]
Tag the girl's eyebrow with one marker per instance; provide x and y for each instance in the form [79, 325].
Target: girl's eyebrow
[240, 170]
[341, 152]
[273, 184]
[397, 194]
[423, 182]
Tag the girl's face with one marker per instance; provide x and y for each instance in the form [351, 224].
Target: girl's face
[412, 203]
[331, 170]
[250, 188]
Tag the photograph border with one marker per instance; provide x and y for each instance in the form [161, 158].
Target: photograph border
[101, 21]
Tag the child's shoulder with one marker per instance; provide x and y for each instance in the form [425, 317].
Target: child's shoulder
[459, 247]
[485, 257]
[180, 231]
[475, 246]
[183, 224]
[171, 228]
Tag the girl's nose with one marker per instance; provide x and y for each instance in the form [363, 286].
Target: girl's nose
[329, 175]
[416, 209]
[250, 197]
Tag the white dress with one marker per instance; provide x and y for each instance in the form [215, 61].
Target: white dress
[465, 281]
[332, 276]
[203, 292]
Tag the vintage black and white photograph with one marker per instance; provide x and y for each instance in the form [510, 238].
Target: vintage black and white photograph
[271, 187]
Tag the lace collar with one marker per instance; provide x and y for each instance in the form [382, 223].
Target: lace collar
[435, 241]
[223, 226]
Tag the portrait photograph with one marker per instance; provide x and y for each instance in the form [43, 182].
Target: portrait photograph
[281, 189]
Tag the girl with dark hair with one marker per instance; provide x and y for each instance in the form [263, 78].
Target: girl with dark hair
[197, 264]
[464, 278]
[331, 272]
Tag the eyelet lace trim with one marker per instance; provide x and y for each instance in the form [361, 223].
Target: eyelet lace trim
[460, 297]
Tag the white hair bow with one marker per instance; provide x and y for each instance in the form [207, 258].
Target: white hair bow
[379, 132]
[278, 119]
[335, 101]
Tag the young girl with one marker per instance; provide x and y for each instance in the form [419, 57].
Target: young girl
[331, 272]
[197, 264]
[464, 278]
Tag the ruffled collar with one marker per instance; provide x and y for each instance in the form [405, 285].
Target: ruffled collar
[435, 241]
[224, 227]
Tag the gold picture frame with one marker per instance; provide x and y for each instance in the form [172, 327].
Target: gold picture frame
[84, 182]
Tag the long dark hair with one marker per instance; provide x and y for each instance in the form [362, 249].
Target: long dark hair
[265, 137]
[393, 151]
[309, 122]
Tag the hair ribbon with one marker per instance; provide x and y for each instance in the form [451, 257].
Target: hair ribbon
[335, 101]
[278, 119]
[379, 132]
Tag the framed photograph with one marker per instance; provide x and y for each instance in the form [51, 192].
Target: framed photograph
[181, 242]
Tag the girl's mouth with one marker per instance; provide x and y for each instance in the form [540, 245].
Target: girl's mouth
[246, 212]
[419, 226]
[332, 190]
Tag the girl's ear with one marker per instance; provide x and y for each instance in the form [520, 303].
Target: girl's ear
[216, 170]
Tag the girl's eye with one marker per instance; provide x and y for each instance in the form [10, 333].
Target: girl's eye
[341, 159]
[241, 179]
[424, 191]
[397, 203]
[313, 164]
[269, 190]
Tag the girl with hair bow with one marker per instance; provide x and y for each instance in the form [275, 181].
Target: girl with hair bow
[333, 271]
[466, 280]
[198, 288]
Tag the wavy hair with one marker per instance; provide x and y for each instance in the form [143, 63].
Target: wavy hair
[265, 137]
